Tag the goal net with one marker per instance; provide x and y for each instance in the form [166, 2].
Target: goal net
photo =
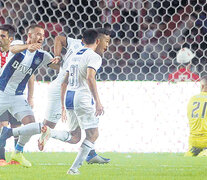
[146, 34]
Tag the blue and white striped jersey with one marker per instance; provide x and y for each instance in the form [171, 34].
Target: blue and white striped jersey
[19, 68]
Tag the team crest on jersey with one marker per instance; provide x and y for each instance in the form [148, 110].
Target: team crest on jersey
[37, 61]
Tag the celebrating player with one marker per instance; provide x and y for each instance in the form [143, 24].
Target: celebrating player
[198, 122]
[54, 99]
[23, 60]
[81, 91]
[7, 33]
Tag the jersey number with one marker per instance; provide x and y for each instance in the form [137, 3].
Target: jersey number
[73, 78]
[197, 104]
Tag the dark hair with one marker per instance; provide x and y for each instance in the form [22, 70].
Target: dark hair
[9, 28]
[90, 36]
[33, 26]
[103, 31]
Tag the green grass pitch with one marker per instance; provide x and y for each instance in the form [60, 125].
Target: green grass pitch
[123, 166]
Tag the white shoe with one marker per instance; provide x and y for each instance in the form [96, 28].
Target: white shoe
[73, 172]
[45, 135]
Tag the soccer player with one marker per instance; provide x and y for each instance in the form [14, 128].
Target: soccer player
[54, 99]
[197, 115]
[7, 33]
[81, 92]
[23, 60]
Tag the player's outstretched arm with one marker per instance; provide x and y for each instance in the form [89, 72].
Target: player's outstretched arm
[18, 48]
[91, 80]
[31, 90]
[21, 47]
[63, 90]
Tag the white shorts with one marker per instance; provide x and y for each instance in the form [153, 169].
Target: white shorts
[17, 105]
[53, 111]
[80, 110]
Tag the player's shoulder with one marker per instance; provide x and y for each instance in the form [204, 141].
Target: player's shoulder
[71, 41]
[90, 52]
[198, 96]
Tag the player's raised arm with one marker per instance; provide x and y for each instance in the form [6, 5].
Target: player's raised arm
[60, 42]
[63, 90]
[31, 90]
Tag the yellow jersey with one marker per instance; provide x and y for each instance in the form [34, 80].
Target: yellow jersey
[197, 115]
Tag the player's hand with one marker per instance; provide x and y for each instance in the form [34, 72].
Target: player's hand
[35, 46]
[31, 102]
[56, 60]
[99, 109]
[64, 117]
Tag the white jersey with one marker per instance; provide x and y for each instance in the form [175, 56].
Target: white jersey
[19, 68]
[73, 45]
[77, 68]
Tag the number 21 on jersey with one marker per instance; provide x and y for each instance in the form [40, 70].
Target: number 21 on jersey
[197, 108]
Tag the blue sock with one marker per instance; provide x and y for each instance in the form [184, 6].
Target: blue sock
[16, 138]
[19, 148]
[92, 153]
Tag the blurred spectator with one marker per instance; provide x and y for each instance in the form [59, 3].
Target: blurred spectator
[183, 74]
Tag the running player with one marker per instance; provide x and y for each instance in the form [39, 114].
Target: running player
[7, 33]
[81, 91]
[54, 99]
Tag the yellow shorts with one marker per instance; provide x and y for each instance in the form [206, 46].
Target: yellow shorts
[196, 145]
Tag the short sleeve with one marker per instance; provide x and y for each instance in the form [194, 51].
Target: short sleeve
[71, 41]
[13, 43]
[94, 62]
[16, 42]
[47, 58]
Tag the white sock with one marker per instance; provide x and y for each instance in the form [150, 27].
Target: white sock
[85, 148]
[61, 135]
[27, 130]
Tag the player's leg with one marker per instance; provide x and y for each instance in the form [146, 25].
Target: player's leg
[203, 153]
[51, 117]
[86, 147]
[2, 149]
[14, 124]
[22, 112]
[72, 136]
[85, 113]
[202, 143]
[3, 123]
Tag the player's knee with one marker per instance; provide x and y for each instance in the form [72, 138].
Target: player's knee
[28, 119]
[49, 124]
